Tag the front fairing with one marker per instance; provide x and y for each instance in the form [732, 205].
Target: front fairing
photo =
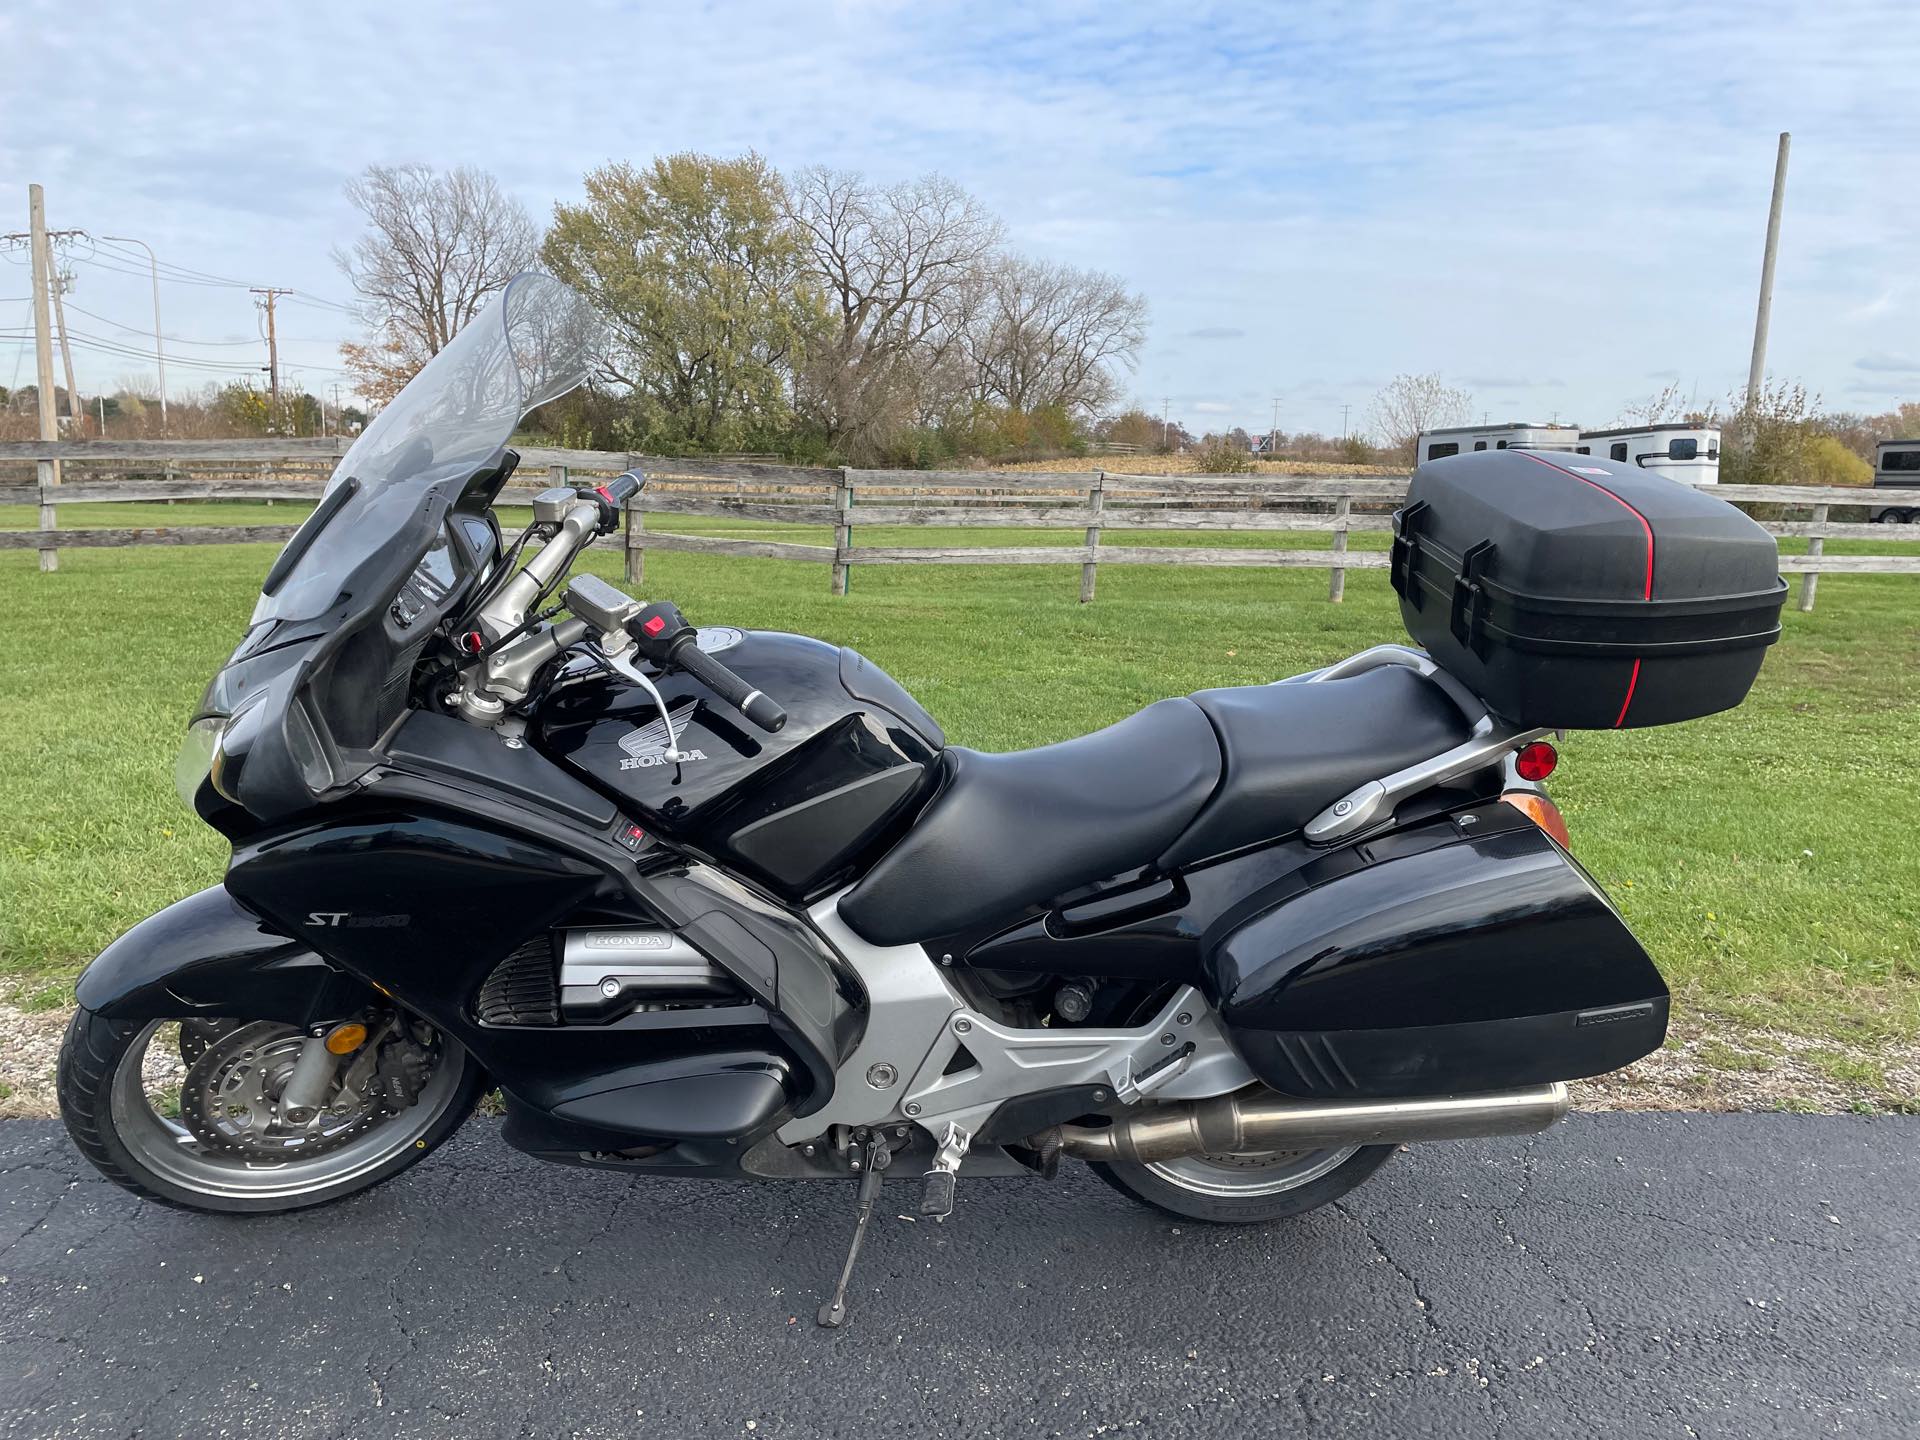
[347, 609]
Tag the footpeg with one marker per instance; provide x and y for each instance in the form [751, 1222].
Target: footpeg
[936, 1198]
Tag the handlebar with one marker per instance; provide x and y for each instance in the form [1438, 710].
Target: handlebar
[758, 707]
[665, 637]
[613, 497]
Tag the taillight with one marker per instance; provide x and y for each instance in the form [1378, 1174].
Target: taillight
[1542, 811]
[1535, 762]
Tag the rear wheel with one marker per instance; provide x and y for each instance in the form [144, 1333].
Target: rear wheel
[1245, 1189]
[189, 1113]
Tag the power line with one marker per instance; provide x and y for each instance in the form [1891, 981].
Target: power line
[173, 276]
[298, 297]
[104, 345]
[120, 247]
[176, 340]
[123, 353]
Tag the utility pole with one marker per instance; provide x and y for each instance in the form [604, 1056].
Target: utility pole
[1166, 403]
[60, 283]
[1343, 420]
[1757, 371]
[49, 470]
[273, 349]
[40, 238]
[1273, 435]
[159, 346]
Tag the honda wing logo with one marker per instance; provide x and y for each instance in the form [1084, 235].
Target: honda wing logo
[646, 746]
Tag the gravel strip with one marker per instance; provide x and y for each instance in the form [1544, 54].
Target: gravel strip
[1710, 1063]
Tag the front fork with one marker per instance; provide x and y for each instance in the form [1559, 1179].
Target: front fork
[322, 1054]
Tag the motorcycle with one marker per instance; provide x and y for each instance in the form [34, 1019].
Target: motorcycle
[725, 903]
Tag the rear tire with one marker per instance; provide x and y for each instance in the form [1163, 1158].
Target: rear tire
[98, 1099]
[1245, 1190]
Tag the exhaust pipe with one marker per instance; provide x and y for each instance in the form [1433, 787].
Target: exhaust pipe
[1261, 1120]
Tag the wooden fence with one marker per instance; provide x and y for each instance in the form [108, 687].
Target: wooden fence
[1098, 504]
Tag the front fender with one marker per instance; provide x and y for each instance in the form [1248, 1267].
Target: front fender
[207, 955]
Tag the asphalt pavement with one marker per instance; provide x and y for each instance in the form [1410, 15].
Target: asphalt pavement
[1620, 1275]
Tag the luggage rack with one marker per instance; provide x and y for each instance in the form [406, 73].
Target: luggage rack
[1374, 802]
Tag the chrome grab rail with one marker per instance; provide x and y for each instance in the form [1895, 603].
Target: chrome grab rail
[1373, 802]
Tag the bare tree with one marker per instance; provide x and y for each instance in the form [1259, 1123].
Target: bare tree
[899, 265]
[1411, 403]
[1050, 335]
[1658, 408]
[436, 248]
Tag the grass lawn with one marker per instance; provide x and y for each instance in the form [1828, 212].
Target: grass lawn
[1767, 857]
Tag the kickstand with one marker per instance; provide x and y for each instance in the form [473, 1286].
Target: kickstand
[833, 1314]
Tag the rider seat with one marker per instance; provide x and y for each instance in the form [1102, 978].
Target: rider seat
[1178, 782]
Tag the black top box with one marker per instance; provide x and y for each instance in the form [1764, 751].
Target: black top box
[1575, 593]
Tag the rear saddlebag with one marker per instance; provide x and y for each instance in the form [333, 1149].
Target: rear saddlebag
[1466, 954]
[1576, 593]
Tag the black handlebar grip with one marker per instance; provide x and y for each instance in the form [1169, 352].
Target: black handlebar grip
[623, 488]
[612, 498]
[757, 706]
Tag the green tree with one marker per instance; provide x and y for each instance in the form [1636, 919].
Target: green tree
[1830, 462]
[1766, 440]
[242, 409]
[699, 273]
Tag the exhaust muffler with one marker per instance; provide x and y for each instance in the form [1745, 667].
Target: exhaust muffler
[1256, 1120]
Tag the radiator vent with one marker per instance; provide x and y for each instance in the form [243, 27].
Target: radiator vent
[523, 988]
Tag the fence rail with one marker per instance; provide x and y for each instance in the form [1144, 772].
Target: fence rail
[1096, 502]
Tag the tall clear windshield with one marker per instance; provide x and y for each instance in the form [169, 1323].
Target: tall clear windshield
[534, 343]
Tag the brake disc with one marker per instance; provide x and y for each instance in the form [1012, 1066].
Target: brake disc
[230, 1099]
[197, 1035]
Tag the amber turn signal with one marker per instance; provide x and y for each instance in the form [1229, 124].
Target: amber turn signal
[347, 1038]
[1542, 811]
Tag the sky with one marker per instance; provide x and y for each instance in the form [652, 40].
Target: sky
[1559, 208]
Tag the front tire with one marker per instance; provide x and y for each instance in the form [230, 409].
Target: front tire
[1245, 1189]
[131, 1142]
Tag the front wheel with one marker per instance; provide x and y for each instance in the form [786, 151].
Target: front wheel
[189, 1113]
[1245, 1189]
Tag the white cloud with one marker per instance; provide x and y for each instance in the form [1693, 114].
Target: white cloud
[1882, 363]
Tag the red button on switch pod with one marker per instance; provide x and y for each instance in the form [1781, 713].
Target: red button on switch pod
[655, 624]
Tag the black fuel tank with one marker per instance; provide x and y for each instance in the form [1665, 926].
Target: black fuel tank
[803, 809]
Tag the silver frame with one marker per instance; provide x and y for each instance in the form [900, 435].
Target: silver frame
[917, 1021]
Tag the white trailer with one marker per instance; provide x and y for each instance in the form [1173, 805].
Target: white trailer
[1896, 464]
[1689, 453]
[1515, 435]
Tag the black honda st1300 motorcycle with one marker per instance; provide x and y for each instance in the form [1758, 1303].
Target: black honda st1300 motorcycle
[725, 902]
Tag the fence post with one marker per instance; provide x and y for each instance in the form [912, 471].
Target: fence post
[48, 472]
[843, 532]
[1337, 579]
[636, 570]
[1097, 503]
[1816, 547]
